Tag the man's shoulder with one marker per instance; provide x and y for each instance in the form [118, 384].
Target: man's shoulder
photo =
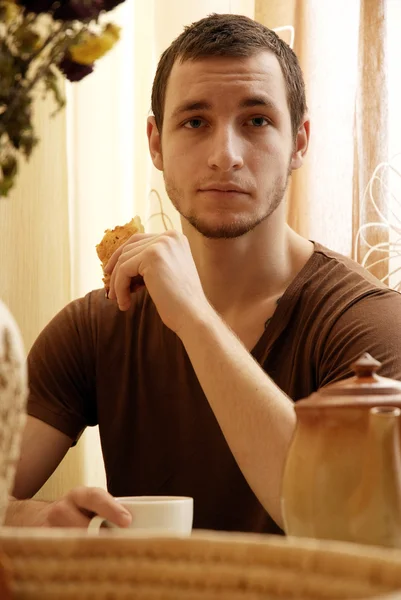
[96, 305]
[336, 258]
[334, 290]
[338, 311]
[333, 274]
[95, 317]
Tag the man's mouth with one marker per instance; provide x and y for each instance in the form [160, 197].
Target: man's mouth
[224, 188]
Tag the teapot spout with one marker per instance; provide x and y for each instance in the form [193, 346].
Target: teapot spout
[376, 507]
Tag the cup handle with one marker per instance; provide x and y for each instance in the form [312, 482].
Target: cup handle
[97, 523]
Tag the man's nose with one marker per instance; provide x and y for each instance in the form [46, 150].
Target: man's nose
[226, 151]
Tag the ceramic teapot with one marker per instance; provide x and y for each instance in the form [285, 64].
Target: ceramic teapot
[342, 478]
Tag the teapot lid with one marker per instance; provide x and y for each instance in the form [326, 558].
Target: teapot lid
[365, 382]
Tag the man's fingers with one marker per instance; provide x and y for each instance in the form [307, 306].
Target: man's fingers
[125, 267]
[129, 253]
[137, 237]
[122, 281]
[99, 502]
[65, 514]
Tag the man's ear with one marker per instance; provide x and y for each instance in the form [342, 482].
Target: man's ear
[301, 144]
[155, 143]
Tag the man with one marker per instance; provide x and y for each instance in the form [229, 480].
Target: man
[192, 378]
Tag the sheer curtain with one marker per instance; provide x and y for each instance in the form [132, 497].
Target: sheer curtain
[393, 197]
[371, 124]
[320, 195]
[379, 237]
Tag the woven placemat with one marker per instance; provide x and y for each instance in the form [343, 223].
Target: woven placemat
[72, 564]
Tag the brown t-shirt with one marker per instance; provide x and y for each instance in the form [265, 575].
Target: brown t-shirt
[128, 373]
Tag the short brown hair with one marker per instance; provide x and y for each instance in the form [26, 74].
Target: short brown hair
[236, 36]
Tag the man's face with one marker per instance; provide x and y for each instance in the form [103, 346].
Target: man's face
[226, 148]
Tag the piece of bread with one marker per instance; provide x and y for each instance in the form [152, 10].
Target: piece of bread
[113, 239]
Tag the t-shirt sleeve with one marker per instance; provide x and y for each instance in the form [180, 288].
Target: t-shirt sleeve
[370, 324]
[61, 368]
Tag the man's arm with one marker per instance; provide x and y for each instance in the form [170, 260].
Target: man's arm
[60, 406]
[255, 416]
[43, 448]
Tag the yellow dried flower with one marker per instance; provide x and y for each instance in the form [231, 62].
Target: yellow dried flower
[9, 11]
[27, 40]
[92, 47]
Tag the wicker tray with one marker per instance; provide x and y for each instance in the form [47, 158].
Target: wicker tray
[64, 564]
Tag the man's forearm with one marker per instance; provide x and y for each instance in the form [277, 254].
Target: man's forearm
[256, 417]
[26, 513]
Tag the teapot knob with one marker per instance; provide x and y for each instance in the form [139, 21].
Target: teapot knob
[365, 366]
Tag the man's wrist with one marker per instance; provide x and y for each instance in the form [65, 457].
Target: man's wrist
[200, 316]
[26, 513]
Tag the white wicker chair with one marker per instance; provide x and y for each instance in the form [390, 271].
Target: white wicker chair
[13, 393]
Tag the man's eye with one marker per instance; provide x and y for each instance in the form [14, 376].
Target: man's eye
[258, 122]
[194, 124]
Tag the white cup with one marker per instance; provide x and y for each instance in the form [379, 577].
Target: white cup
[169, 514]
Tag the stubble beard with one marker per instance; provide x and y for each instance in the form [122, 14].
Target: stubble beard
[238, 226]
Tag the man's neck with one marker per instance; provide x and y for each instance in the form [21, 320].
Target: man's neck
[236, 273]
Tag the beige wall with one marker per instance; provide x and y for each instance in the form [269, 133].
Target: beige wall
[35, 250]
[34, 243]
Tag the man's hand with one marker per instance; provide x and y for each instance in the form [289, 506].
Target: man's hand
[75, 509]
[166, 264]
